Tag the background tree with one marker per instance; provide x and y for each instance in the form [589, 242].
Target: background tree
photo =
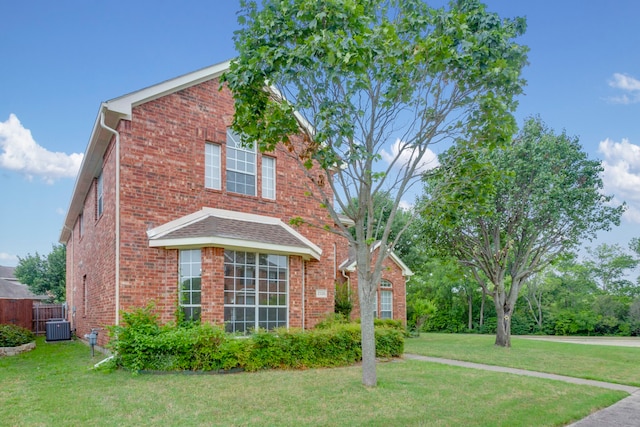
[610, 265]
[351, 77]
[538, 197]
[45, 275]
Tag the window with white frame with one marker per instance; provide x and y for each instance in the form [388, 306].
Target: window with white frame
[190, 283]
[386, 300]
[99, 196]
[255, 291]
[241, 166]
[375, 305]
[212, 166]
[386, 305]
[268, 177]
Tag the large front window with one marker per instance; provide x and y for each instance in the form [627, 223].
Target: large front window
[255, 291]
[241, 166]
[190, 283]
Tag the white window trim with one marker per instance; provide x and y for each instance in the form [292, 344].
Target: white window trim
[212, 166]
[268, 177]
[99, 196]
[237, 147]
[256, 297]
[190, 277]
[383, 303]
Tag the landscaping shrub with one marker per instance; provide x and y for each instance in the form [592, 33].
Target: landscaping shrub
[141, 344]
[14, 336]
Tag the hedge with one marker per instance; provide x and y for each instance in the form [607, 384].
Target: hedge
[140, 344]
[13, 336]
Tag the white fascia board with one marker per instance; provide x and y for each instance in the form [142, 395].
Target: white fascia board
[406, 271]
[155, 234]
[234, 244]
[89, 168]
[170, 226]
[124, 104]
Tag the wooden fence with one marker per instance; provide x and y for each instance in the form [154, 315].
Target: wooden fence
[17, 311]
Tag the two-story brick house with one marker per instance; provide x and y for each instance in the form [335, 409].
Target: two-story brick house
[169, 207]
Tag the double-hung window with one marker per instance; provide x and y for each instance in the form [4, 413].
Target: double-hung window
[268, 177]
[212, 166]
[190, 283]
[99, 196]
[386, 300]
[241, 166]
[255, 291]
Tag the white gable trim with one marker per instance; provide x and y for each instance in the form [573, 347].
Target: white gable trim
[156, 234]
[124, 104]
[406, 271]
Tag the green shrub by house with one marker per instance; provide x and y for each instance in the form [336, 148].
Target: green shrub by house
[141, 344]
[13, 336]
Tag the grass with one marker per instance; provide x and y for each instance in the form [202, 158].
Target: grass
[53, 385]
[595, 362]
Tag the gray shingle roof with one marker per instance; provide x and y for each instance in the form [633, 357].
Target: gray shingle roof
[236, 229]
[232, 229]
[10, 289]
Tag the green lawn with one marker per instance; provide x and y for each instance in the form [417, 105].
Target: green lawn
[596, 362]
[53, 385]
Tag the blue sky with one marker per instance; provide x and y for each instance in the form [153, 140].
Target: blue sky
[61, 59]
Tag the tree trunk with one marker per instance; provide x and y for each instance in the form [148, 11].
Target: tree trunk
[470, 306]
[369, 376]
[503, 329]
[484, 296]
[367, 288]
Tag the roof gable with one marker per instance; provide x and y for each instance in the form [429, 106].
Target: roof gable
[350, 264]
[109, 114]
[234, 230]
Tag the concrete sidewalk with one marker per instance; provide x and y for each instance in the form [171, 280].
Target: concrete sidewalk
[624, 413]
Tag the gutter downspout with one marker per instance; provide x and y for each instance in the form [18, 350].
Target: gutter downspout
[304, 274]
[117, 284]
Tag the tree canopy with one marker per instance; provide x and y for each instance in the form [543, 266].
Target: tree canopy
[338, 81]
[45, 275]
[517, 210]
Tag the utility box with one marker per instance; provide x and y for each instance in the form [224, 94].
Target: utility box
[58, 330]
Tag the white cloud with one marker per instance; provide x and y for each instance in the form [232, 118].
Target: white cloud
[19, 152]
[404, 156]
[8, 259]
[621, 176]
[404, 205]
[628, 84]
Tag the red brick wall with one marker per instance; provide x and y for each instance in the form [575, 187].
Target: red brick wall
[391, 272]
[162, 179]
[91, 259]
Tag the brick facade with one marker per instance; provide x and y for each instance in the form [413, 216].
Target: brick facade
[162, 165]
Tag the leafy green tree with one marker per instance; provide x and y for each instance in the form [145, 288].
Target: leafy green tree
[610, 265]
[45, 275]
[519, 209]
[337, 81]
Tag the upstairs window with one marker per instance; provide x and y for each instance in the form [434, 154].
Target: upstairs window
[99, 196]
[212, 166]
[241, 166]
[268, 177]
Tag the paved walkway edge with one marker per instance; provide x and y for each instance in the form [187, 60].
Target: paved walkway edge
[624, 413]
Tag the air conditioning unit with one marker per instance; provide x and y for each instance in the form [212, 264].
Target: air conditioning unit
[58, 330]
